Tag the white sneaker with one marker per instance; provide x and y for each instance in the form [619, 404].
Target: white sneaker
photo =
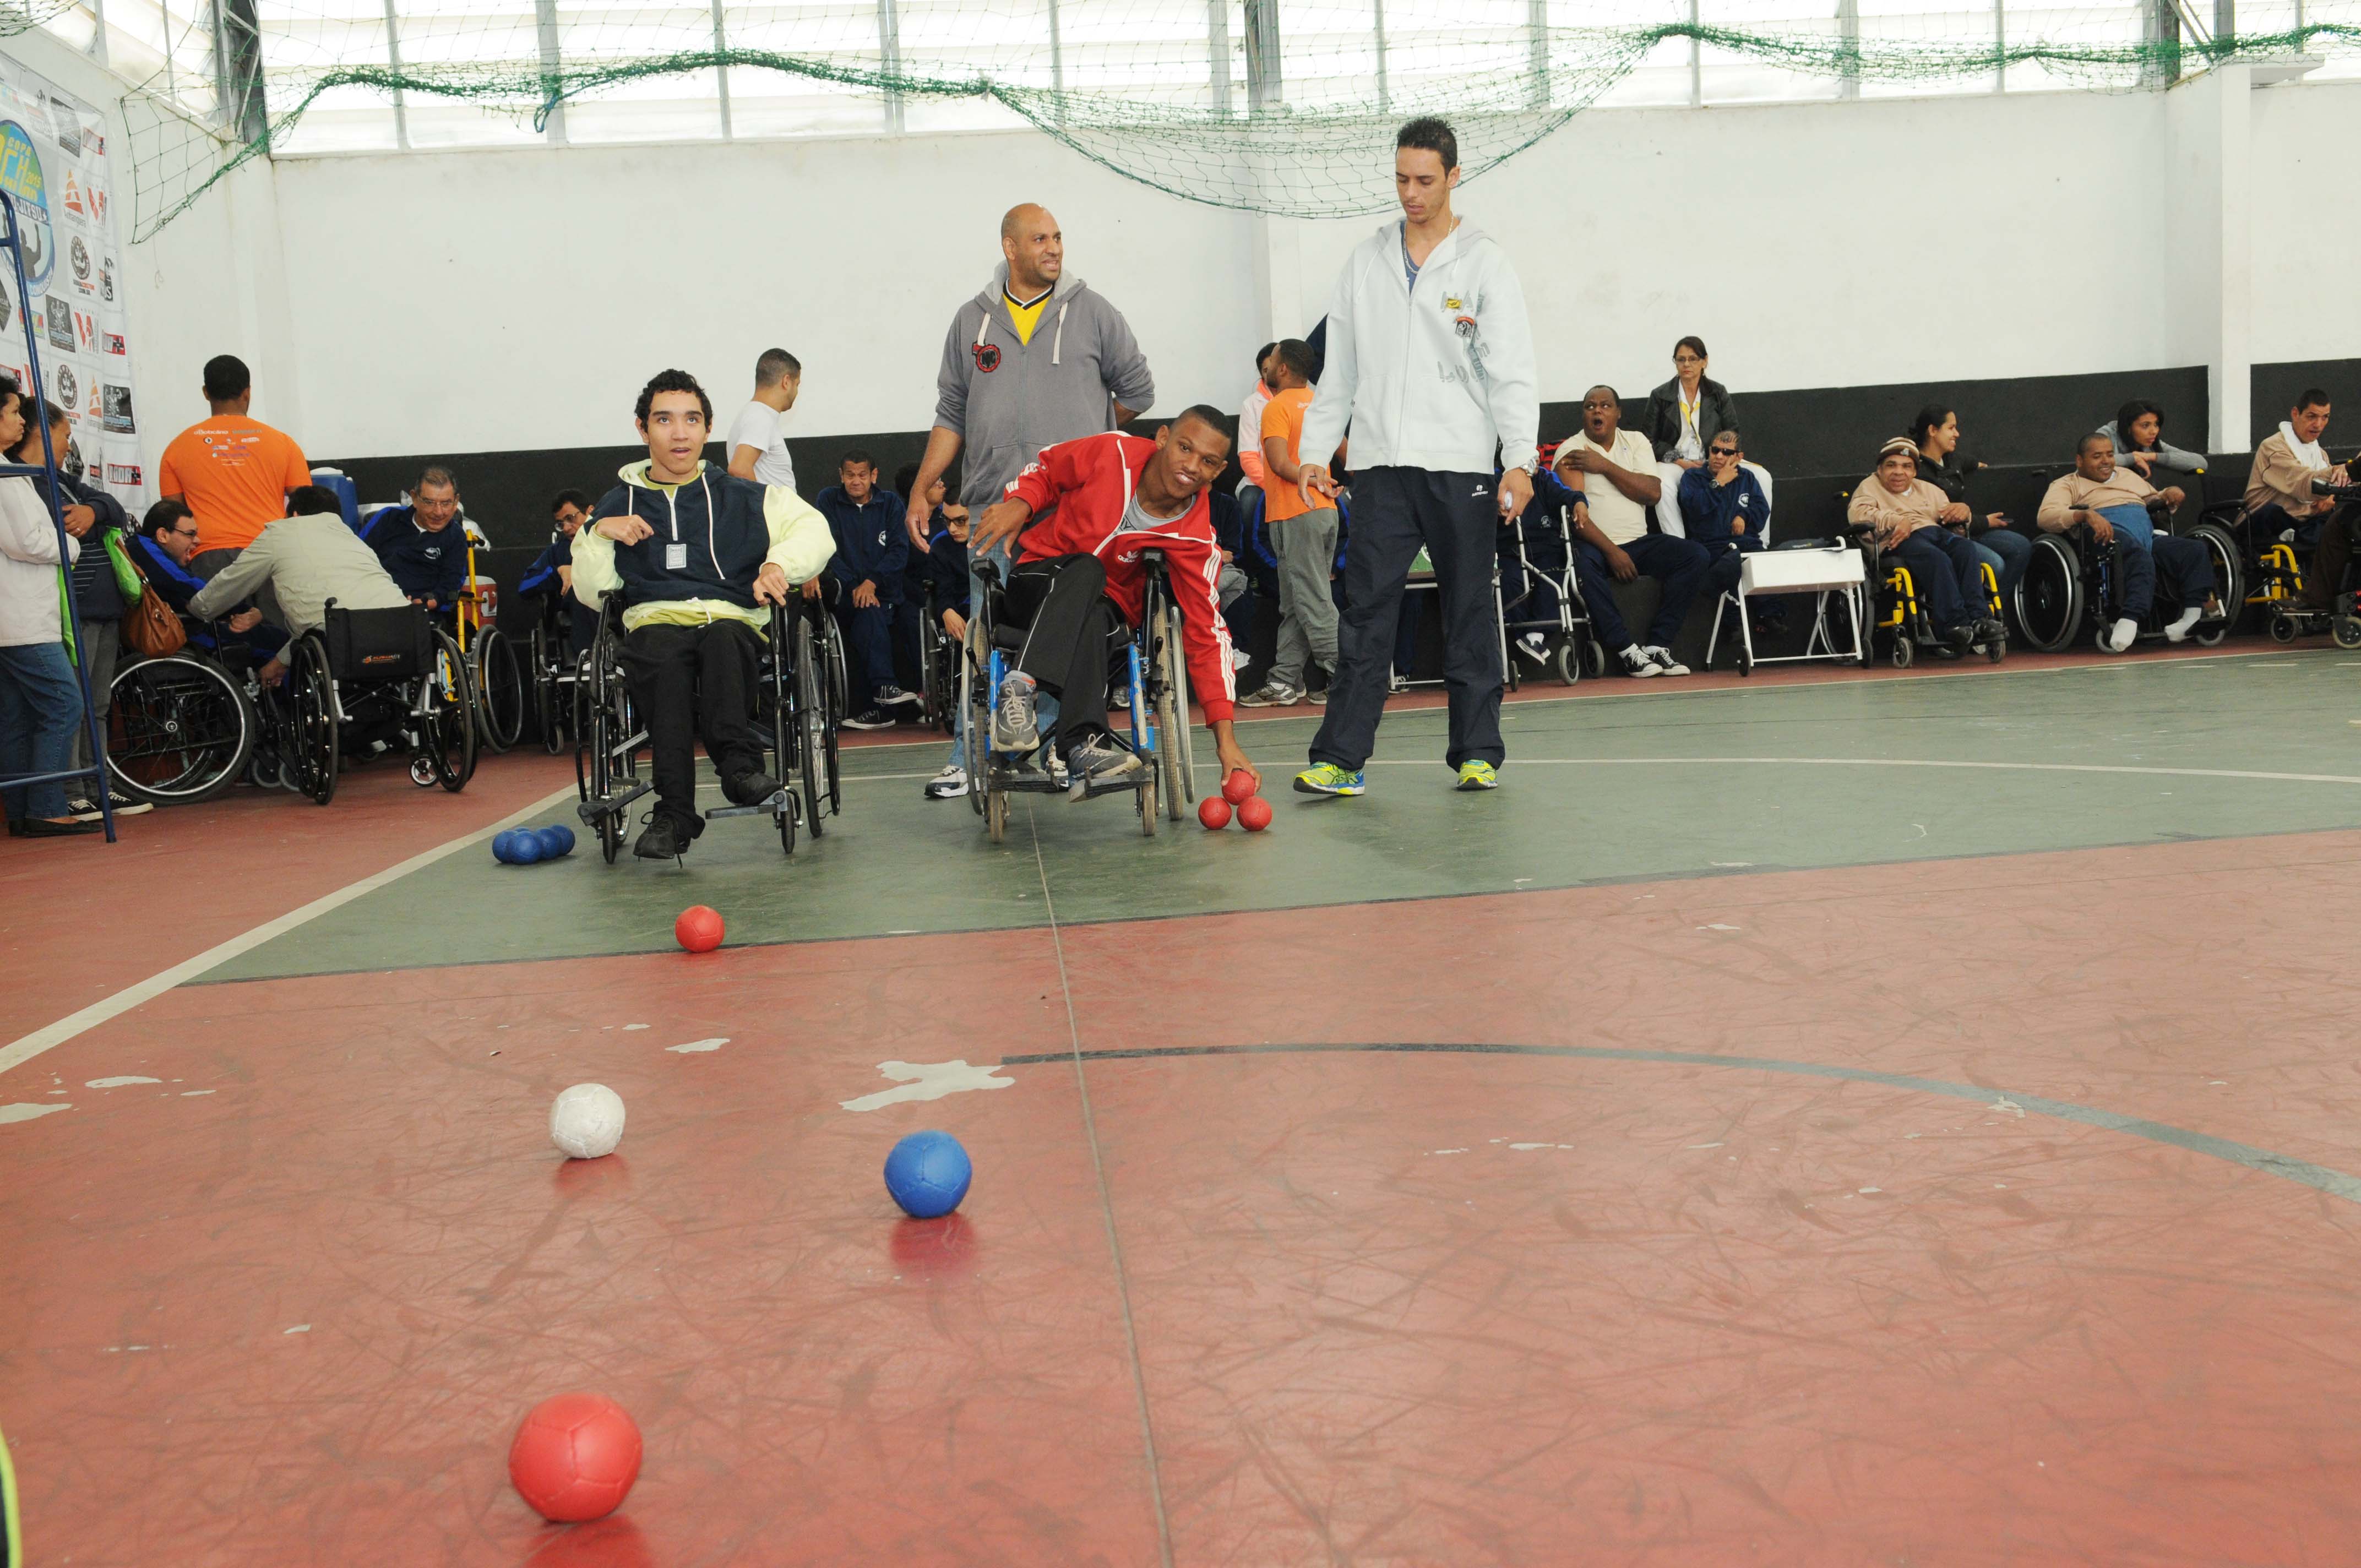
[1664, 661]
[949, 784]
[1637, 662]
[1532, 646]
[1240, 658]
[1397, 682]
[2119, 637]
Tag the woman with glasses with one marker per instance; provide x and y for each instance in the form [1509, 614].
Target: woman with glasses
[1686, 413]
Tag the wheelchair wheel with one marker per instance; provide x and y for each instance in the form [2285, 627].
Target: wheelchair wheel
[499, 690]
[1903, 649]
[310, 752]
[812, 726]
[2229, 580]
[2346, 629]
[1147, 794]
[448, 717]
[179, 729]
[995, 815]
[2049, 595]
[839, 684]
[2284, 627]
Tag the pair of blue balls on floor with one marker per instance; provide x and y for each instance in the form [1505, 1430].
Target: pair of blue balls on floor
[523, 846]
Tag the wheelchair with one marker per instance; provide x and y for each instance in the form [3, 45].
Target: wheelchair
[2069, 573]
[939, 668]
[1156, 680]
[181, 728]
[554, 671]
[2275, 586]
[792, 718]
[367, 676]
[1577, 653]
[1899, 610]
[500, 693]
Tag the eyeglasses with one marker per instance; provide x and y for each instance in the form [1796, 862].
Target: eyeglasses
[1686, 359]
[184, 534]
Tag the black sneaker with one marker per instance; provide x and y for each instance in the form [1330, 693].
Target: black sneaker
[1099, 760]
[1961, 635]
[895, 696]
[871, 719]
[750, 789]
[661, 840]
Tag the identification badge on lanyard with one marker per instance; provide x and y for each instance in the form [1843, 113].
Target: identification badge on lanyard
[676, 557]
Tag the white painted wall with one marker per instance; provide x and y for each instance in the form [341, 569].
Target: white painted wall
[2307, 234]
[515, 299]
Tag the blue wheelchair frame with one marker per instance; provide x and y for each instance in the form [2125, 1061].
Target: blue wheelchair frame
[1157, 680]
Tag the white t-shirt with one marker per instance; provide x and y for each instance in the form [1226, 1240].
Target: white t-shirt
[1612, 512]
[757, 426]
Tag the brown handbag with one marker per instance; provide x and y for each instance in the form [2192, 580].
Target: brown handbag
[150, 626]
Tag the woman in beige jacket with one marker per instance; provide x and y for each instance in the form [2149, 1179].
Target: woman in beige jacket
[1902, 513]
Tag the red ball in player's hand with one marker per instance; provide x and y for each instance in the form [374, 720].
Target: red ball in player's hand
[1238, 788]
[1213, 812]
[575, 1458]
[699, 928]
[1254, 814]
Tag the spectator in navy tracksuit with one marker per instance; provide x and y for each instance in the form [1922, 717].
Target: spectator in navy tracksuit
[873, 545]
[1724, 509]
[551, 575]
[1238, 585]
[421, 546]
[945, 563]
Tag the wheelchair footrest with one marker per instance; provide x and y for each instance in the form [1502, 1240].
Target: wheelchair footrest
[778, 805]
[591, 811]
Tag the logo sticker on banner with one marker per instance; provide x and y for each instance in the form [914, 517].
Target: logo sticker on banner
[20, 177]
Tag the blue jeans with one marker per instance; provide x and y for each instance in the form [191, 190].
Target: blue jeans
[2005, 551]
[1948, 574]
[1044, 705]
[41, 704]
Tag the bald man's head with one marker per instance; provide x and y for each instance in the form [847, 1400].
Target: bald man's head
[1035, 249]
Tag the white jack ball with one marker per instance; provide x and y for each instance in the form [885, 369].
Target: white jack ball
[587, 1120]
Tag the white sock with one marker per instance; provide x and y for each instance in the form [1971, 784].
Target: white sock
[2181, 628]
[2124, 634]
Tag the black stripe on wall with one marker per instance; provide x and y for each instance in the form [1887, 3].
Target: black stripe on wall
[2025, 424]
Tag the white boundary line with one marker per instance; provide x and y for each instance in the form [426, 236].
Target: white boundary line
[1895, 762]
[19, 1052]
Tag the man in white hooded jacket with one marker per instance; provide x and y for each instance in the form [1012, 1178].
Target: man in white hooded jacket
[1431, 360]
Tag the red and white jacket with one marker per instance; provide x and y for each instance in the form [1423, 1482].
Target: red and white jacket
[1078, 491]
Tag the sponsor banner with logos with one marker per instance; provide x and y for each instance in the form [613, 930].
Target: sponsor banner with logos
[54, 172]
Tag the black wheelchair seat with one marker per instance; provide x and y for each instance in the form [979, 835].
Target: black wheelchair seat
[396, 644]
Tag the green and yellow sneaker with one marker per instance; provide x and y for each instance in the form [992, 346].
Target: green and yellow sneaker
[1327, 778]
[1478, 775]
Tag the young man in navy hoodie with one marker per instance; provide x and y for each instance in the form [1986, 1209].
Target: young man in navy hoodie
[698, 556]
[872, 549]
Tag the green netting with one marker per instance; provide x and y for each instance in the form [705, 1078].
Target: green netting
[1156, 110]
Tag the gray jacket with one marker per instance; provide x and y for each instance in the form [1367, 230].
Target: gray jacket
[307, 561]
[2164, 454]
[1008, 400]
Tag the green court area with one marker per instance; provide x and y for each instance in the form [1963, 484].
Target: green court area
[1667, 782]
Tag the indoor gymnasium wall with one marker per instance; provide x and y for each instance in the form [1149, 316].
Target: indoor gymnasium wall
[508, 303]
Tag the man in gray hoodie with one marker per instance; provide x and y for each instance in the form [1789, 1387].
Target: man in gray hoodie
[1035, 358]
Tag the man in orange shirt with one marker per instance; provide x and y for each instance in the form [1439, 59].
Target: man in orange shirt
[233, 472]
[1303, 535]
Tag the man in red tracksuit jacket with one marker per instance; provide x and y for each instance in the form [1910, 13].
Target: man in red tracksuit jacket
[1086, 510]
